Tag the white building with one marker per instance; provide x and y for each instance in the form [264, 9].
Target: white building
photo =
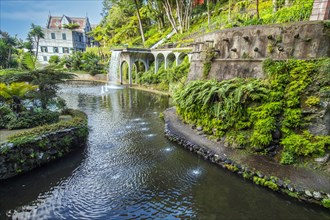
[64, 35]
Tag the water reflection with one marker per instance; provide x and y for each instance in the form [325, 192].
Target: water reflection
[129, 170]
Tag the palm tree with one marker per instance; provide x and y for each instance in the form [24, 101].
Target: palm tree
[36, 34]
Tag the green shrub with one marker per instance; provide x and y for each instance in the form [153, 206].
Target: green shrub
[305, 144]
[79, 120]
[326, 203]
[54, 59]
[6, 115]
[312, 101]
[287, 158]
[33, 119]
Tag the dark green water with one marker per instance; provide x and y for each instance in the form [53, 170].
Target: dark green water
[129, 170]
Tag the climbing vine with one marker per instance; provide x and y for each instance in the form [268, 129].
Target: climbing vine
[207, 63]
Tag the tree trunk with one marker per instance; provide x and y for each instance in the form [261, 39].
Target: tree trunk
[208, 13]
[37, 48]
[169, 15]
[229, 11]
[258, 9]
[9, 58]
[274, 5]
[140, 22]
[179, 13]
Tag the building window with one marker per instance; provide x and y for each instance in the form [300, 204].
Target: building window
[64, 36]
[55, 49]
[65, 50]
[43, 49]
[45, 58]
[52, 35]
[80, 38]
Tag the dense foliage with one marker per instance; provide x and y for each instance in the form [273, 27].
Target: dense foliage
[88, 62]
[121, 22]
[30, 99]
[165, 79]
[255, 114]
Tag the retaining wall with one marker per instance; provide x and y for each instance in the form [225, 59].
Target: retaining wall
[28, 151]
[239, 52]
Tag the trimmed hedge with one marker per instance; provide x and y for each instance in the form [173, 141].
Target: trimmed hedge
[30, 149]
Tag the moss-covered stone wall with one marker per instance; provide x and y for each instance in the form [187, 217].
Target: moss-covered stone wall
[239, 52]
[31, 149]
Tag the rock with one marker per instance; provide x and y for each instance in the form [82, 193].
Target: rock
[199, 128]
[271, 149]
[260, 175]
[222, 158]
[328, 195]
[299, 190]
[322, 160]
[276, 134]
[308, 193]
[317, 195]
[290, 188]
[280, 183]
[193, 126]
[228, 161]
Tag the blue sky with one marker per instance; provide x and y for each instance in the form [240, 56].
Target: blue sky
[16, 16]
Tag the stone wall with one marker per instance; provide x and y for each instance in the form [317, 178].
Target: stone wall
[29, 151]
[239, 52]
[88, 77]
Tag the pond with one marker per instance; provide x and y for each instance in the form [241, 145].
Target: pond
[129, 170]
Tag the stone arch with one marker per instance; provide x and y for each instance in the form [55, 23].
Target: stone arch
[159, 58]
[139, 66]
[180, 57]
[125, 71]
[170, 60]
[144, 62]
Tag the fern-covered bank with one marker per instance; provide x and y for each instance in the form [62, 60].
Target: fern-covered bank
[275, 115]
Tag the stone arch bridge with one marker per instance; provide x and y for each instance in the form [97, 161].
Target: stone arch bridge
[148, 56]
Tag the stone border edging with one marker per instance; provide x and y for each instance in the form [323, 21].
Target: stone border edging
[271, 182]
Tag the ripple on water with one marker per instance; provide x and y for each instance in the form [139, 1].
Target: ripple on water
[151, 135]
[168, 149]
[129, 173]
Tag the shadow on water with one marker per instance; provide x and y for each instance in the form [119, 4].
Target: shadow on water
[25, 188]
[129, 170]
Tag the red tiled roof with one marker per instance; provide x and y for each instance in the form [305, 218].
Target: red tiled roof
[55, 22]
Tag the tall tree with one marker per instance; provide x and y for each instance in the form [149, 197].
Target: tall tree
[36, 34]
[181, 20]
[257, 2]
[274, 5]
[9, 44]
[156, 12]
[208, 13]
[287, 3]
[140, 22]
